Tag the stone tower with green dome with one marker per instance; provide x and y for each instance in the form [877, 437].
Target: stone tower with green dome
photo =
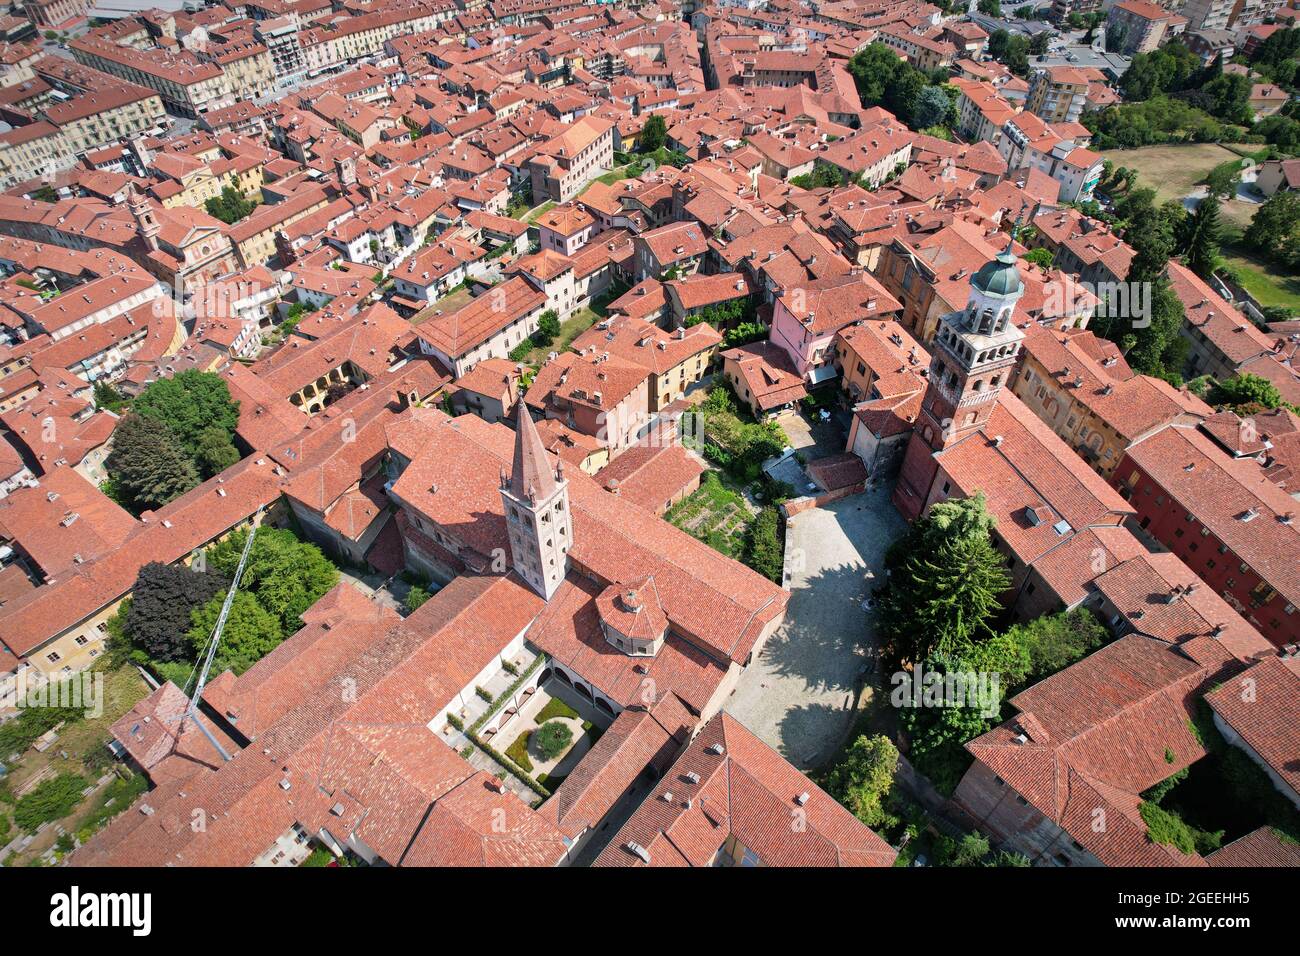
[971, 357]
[974, 351]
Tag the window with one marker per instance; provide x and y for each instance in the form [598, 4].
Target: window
[53, 657]
[81, 640]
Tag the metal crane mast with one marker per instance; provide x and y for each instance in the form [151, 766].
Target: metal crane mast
[192, 710]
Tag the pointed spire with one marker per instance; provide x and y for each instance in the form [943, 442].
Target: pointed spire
[531, 476]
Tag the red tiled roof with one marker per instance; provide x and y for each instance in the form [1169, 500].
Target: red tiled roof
[1263, 847]
[1102, 731]
[1262, 706]
[729, 783]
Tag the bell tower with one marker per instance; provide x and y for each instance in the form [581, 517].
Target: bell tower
[145, 219]
[536, 503]
[972, 355]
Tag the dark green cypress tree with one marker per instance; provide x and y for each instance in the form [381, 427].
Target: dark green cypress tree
[148, 463]
[1203, 235]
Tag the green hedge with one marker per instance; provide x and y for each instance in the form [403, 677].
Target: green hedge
[518, 751]
[507, 695]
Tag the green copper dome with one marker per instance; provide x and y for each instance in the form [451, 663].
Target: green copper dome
[999, 277]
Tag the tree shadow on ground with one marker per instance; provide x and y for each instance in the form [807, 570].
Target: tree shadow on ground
[827, 642]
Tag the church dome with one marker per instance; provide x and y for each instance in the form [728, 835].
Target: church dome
[999, 277]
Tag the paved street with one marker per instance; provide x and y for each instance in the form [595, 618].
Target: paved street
[798, 696]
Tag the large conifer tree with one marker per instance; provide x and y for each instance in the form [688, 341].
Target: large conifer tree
[945, 579]
[148, 463]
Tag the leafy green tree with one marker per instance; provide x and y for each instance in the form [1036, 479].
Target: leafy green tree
[945, 578]
[1222, 180]
[1273, 229]
[215, 452]
[936, 734]
[552, 738]
[1203, 234]
[1150, 229]
[823, 176]
[971, 850]
[654, 134]
[1282, 131]
[1159, 119]
[251, 632]
[287, 575]
[416, 597]
[1040, 257]
[230, 206]
[161, 602]
[1277, 48]
[1023, 654]
[865, 777]
[1153, 345]
[548, 328]
[872, 69]
[1228, 96]
[189, 404]
[991, 8]
[903, 93]
[932, 108]
[1245, 394]
[147, 462]
[1054, 641]
[109, 398]
[1150, 338]
[1011, 50]
[766, 556]
[1171, 68]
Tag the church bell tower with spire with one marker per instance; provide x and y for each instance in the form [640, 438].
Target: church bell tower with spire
[536, 500]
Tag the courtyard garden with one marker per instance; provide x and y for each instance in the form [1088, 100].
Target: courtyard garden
[62, 783]
[555, 735]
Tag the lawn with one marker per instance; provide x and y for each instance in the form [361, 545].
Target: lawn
[538, 210]
[1172, 171]
[616, 175]
[716, 515]
[570, 329]
[1264, 281]
[558, 708]
[518, 751]
[555, 708]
